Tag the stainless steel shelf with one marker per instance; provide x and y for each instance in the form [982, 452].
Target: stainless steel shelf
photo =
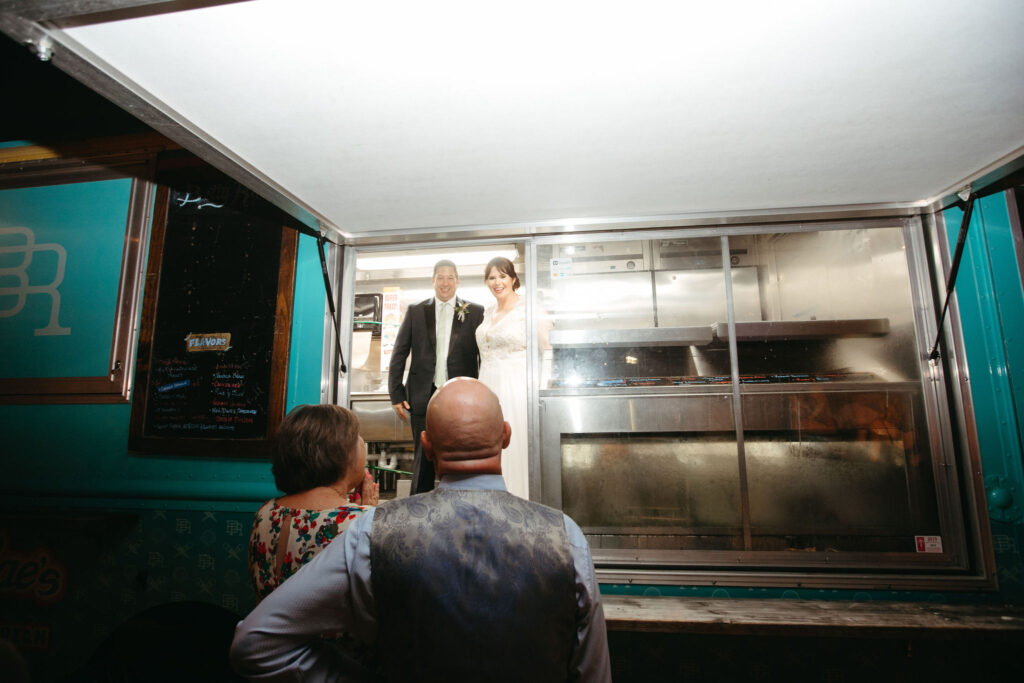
[652, 336]
[726, 388]
[772, 330]
[762, 330]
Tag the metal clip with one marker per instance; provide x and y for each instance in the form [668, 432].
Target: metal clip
[41, 48]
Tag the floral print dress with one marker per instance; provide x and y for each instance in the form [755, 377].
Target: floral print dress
[305, 533]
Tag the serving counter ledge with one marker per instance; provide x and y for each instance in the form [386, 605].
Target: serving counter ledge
[725, 388]
[813, 618]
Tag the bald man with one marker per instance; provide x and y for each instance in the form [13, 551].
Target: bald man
[468, 582]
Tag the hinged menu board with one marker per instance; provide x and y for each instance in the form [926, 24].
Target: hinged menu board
[213, 349]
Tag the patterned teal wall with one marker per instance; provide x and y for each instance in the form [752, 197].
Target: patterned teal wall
[68, 579]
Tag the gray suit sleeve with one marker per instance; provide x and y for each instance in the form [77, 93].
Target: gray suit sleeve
[281, 640]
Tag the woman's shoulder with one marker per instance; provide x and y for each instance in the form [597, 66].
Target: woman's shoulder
[330, 523]
[267, 508]
[274, 508]
[350, 508]
[339, 514]
[519, 307]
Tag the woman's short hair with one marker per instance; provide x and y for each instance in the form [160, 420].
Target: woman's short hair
[504, 266]
[315, 446]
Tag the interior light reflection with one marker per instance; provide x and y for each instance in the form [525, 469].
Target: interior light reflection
[575, 416]
[461, 257]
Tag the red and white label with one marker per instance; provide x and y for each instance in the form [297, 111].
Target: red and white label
[929, 544]
[391, 316]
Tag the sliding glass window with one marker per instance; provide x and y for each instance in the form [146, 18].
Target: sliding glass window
[745, 400]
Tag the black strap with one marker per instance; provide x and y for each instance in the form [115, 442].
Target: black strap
[961, 240]
[330, 303]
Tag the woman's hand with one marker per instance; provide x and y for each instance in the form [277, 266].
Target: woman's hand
[369, 492]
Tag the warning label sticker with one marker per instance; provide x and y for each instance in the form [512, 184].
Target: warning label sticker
[929, 544]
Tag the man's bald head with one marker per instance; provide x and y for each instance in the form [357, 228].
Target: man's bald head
[465, 429]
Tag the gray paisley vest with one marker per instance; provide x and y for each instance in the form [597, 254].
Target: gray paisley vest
[472, 586]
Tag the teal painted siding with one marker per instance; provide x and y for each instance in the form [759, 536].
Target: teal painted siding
[307, 327]
[991, 304]
[68, 237]
[77, 454]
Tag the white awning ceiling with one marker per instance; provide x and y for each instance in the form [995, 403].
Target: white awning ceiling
[412, 116]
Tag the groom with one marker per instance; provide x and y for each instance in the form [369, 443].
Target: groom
[440, 332]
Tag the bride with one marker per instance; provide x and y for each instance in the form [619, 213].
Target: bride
[501, 338]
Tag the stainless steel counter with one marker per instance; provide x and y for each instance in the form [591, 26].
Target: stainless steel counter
[377, 419]
[830, 459]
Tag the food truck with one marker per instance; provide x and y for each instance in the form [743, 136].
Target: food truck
[771, 261]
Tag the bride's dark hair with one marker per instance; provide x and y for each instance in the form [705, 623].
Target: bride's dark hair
[504, 266]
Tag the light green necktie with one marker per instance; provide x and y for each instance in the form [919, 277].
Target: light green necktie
[443, 328]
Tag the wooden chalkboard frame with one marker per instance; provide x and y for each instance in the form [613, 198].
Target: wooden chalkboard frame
[138, 441]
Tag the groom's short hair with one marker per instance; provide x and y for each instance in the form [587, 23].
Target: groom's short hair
[445, 263]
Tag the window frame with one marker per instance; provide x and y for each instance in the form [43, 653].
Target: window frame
[133, 157]
[967, 564]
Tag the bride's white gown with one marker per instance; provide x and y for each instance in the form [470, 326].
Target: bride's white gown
[502, 347]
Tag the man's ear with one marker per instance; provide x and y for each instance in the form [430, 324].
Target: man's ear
[506, 434]
[428, 449]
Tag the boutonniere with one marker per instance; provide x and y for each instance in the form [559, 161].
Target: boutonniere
[460, 311]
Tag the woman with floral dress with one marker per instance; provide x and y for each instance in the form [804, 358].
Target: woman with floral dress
[319, 461]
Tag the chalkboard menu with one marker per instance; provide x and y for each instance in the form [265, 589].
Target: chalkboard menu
[213, 351]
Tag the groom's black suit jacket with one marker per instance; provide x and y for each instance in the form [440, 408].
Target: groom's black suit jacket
[418, 335]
